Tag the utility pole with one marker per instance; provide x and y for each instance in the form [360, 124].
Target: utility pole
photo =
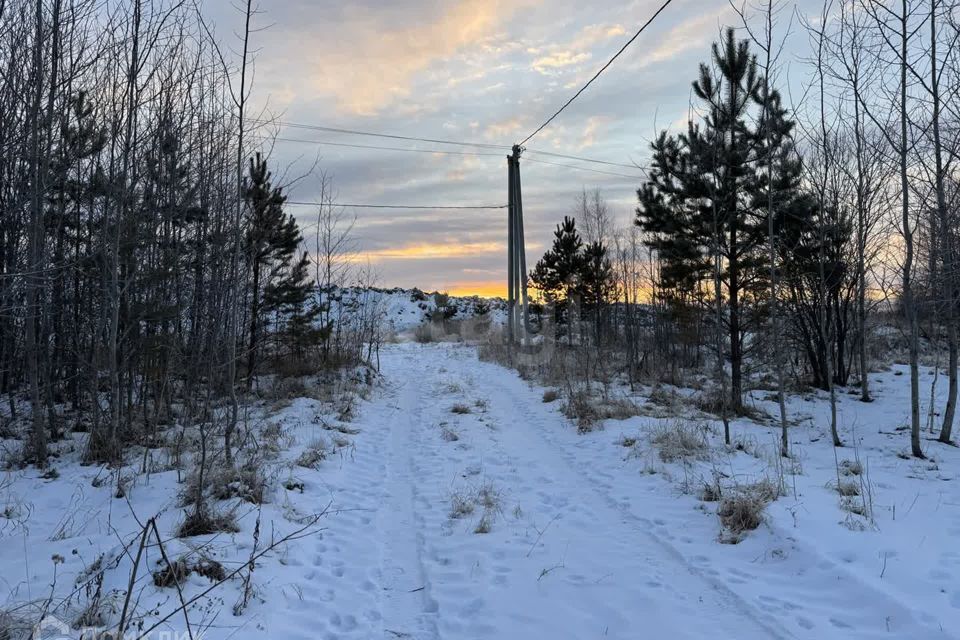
[511, 253]
[518, 316]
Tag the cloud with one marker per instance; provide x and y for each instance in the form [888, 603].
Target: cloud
[558, 60]
[503, 129]
[552, 58]
[379, 65]
[594, 126]
[484, 288]
[694, 33]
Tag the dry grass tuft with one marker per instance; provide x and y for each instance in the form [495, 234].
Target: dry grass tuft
[461, 409]
[849, 504]
[461, 505]
[711, 492]
[210, 569]
[205, 522]
[848, 488]
[680, 441]
[742, 510]
[851, 468]
[486, 497]
[171, 575]
[313, 455]
[581, 411]
[247, 483]
[484, 525]
[627, 442]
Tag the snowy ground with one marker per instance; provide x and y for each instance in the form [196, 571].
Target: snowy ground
[403, 310]
[466, 507]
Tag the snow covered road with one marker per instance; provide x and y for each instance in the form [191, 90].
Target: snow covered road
[471, 509]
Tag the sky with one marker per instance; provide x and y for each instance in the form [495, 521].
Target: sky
[480, 71]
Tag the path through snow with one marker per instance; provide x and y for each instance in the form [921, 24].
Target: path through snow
[581, 544]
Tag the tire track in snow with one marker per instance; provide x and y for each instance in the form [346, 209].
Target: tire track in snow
[770, 627]
[403, 572]
[587, 576]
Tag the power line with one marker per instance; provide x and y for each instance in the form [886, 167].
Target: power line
[469, 153]
[354, 132]
[569, 166]
[379, 148]
[478, 154]
[597, 74]
[582, 159]
[391, 206]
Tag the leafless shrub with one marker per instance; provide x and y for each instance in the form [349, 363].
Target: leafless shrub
[15, 625]
[715, 403]
[581, 411]
[99, 608]
[290, 368]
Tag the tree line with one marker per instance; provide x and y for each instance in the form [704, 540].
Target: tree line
[148, 259]
[770, 233]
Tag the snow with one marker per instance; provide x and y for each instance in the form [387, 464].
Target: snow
[403, 310]
[585, 538]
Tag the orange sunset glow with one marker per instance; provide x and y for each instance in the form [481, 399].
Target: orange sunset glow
[431, 251]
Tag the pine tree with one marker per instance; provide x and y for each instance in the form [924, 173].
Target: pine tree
[291, 298]
[701, 200]
[272, 239]
[673, 227]
[596, 283]
[556, 274]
